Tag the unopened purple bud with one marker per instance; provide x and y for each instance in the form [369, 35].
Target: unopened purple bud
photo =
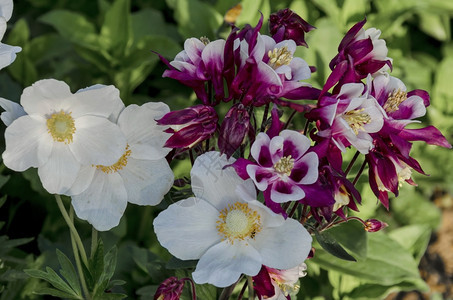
[189, 126]
[373, 225]
[233, 129]
[287, 25]
[170, 289]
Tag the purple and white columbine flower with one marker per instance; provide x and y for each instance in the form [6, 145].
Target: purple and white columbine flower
[350, 117]
[361, 52]
[227, 229]
[200, 61]
[283, 166]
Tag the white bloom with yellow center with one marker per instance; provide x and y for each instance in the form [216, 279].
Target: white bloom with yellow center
[62, 131]
[141, 175]
[227, 229]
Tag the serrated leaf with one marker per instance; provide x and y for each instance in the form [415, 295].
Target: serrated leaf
[109, 264]
[96, 263]
[56, 293]
[52, 277]
[68, 272]
[352, 236]
[328, 243]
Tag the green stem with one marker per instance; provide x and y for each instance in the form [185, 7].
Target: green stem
[94, 241]
[250, 288]
[351, 163]
[77, 259]
[72, 229]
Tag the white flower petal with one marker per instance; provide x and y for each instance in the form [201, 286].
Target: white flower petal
[223, 264]
[12, 111]
[146, 181]
[99, 100]
[187, 228]
[103, 203]
[291, 241]
[143, 135]
[97, 141]
[262, 140]
[6, 9]
[26, 144]
[312, 161]
[213, 183]
[83, 180]
[8, 54]
[45, 97]
[60, 171]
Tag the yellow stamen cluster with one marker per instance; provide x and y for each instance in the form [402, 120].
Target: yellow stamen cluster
[61, 127]
[285, 165]
[279, 57]
[394, 100]
[121, 163]
[238, 222]
[288, 288]
[356, 119]
[205, 40]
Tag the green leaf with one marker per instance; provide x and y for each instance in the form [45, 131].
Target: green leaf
[196, 18]
[96, 263]
[16, 242]
[435, 25]
[68, 272]
[52, 277]
[73, 26]
[387, 262]
[250, 13]
[109, 264]
[412, 207]
[206, 291]
[2, 200]
[328, 243]
[415, 238]
[175, 263]
[56, 293]
[117, 29]
[352, 236]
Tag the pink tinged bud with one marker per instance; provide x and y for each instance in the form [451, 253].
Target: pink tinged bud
[287, 25]
[189, 126]
[233, 129]
[373, 225]
[170, 289]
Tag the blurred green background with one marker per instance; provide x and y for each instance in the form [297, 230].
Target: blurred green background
[86, 42]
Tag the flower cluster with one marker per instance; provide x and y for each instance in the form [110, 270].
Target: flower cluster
[361, 106]
[88, 146]
[258, 189]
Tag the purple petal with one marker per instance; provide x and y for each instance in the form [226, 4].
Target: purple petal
[430, 135]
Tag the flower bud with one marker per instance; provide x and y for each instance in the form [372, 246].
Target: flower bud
[373, 225]
[286, 24]
[170, 289]
[189, 126]
[233, 129]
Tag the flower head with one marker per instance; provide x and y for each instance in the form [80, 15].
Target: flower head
[275, 284]
[234, 128]
[360, 53]
[170, 289]
[141, 175]
[283, 166]
[189, 126]
[287, 25]
[63, 131]
[226, 228]
[373, 225]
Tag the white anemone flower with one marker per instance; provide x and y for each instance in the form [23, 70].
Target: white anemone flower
[141, 176]
[62, 131]
[227, 229]
[7, 52]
